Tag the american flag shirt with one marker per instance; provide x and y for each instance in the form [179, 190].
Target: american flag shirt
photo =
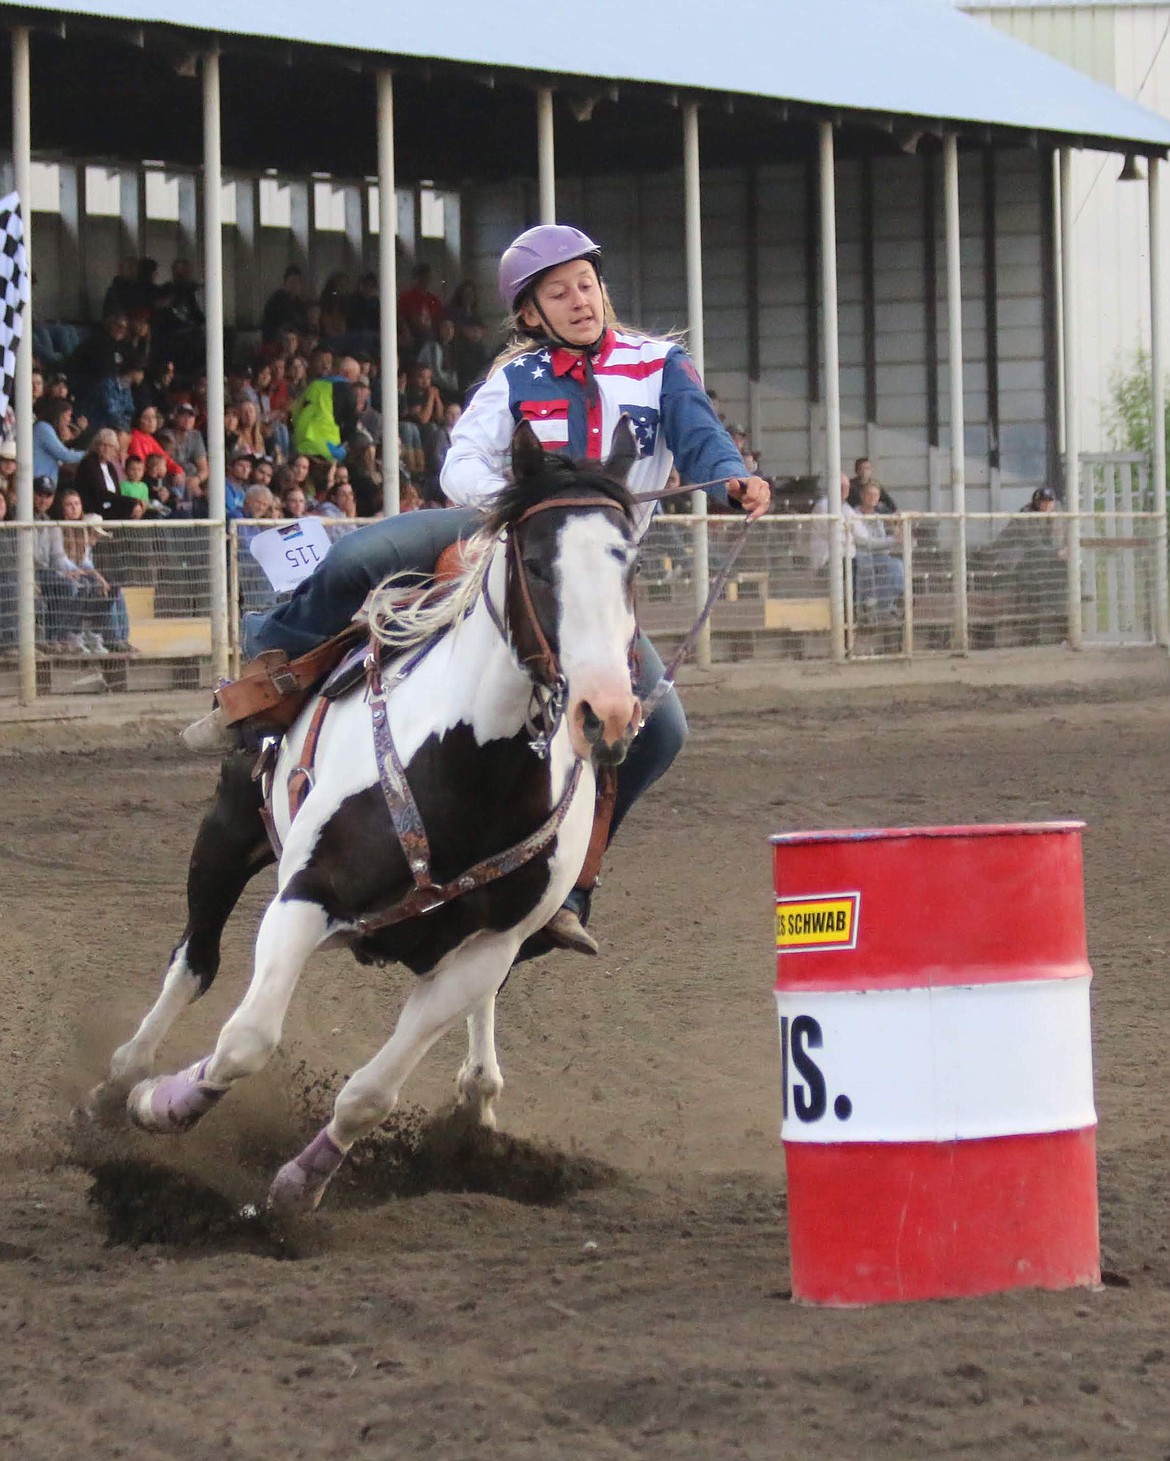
[653, 382]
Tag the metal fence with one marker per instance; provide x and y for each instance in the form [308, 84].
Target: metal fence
[153, 629]
[125, 607]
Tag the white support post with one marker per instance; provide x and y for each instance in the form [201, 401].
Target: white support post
[1158, 423]
[955, 365]
[388, 290]
[23, 404]
[213, 296]
[1072, 422]
[546, 154]
[694, 252]
[838, 562]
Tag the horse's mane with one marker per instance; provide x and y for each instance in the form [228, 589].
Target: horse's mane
[403, 620]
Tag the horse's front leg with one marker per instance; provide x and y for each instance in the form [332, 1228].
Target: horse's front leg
[230, 848]
[289, 932]
[466, 979]
[479, 1082]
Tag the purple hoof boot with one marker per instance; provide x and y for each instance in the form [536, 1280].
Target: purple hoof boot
[301, 1183]
[173, 1102]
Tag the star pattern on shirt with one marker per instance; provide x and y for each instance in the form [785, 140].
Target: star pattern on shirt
[538, 372]
[546, 357]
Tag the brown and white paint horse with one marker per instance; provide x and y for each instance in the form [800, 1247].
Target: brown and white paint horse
[462, 723]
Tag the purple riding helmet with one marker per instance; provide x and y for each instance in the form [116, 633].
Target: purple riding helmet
[544, 247]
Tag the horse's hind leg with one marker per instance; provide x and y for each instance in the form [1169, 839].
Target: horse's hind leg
[230, 848]
[289, 932]
[466, 979]
[479, 1082]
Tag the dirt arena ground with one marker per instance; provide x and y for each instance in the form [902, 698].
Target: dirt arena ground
[609, 1279]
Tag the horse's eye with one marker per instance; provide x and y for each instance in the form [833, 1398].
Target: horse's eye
[536, 568]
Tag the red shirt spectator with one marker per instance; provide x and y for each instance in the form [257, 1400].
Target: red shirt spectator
[143, 443]
[418, 302]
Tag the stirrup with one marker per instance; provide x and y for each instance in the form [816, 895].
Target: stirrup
[566, 931]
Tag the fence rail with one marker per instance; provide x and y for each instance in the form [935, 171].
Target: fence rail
[153, 629]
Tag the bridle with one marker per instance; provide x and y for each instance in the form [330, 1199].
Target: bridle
[524, 631]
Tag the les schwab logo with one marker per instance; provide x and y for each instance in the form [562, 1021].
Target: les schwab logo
[809, 925]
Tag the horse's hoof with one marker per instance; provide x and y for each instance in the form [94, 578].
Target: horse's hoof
[104, 1106]
[300, 1184]
[173, 1103]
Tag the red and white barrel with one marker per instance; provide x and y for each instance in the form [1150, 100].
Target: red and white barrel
[938, 1122]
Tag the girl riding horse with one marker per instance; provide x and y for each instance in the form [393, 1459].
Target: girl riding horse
[572, 371]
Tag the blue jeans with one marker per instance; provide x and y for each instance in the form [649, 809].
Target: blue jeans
[410, 543]
[881, 579]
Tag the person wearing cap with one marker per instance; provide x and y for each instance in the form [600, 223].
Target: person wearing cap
[572, 371]
[189, 447]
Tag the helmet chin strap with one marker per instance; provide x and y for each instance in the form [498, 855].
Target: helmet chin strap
[551, 334]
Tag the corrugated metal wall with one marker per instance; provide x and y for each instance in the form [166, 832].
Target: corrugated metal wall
[1126, 47]
[640, 222]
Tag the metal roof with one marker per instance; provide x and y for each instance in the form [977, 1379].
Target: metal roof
[914, 58]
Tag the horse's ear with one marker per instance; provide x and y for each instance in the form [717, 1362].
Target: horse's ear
[527, 453]
[623, 452]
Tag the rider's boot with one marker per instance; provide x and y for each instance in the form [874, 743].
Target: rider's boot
[211, 735]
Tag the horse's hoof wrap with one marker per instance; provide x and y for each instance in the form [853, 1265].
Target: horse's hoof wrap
[171, 1103]
[301, 1183]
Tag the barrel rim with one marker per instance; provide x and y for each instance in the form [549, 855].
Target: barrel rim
[903, 834]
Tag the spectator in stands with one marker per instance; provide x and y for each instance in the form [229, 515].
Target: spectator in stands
[144, 291]
[424, 404]
[471, 354]
[100, 608]
[190, 450]
[463, 304]
[334, 306]
[285, 308]
[8, 474]
[419, 302]
[880, 576]
[98, 476]
[239, 479]
[112, 403]
[862, 477]
[260, 502]
[250, 437]
[818, 540]
[262, 472]
[139, 340]
[367, 419]
[277, 389]
[294, 503]
[273, 423]
[179, 320]
[54, 577]
[325, 415]
[50, 453]
[119, 298]
[133, 482]
[38, 385]
[297, 374]
[231, 429]
[364, 309]
[366, 480]
[439, 354]
[143, 440]
[300, 470]
[239, 387]
[102, 352]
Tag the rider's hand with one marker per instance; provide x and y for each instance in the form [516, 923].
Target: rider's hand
[752, 493]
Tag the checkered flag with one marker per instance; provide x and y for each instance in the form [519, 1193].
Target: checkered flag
[14, 293]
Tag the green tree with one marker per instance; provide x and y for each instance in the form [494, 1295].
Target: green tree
[1131, 406]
